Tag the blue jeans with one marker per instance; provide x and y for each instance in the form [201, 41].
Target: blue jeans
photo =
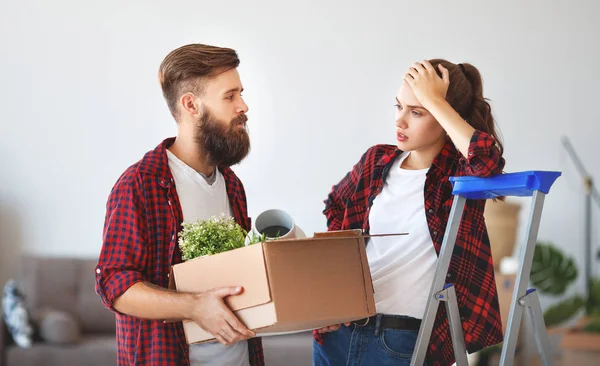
[361, 346]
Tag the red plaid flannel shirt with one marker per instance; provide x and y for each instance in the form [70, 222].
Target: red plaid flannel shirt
[143, 218]
[471, 268]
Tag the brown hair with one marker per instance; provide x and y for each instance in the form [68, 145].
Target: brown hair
[187, 68]
[465, 95]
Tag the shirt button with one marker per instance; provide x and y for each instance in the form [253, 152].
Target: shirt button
[98, 270]
[435, 233]
[430, 211]
[448, 275]
[169, 202]
[471, 153]
[173, 237]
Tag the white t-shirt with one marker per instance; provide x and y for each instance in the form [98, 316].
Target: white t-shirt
[200, 200]
[402, 267]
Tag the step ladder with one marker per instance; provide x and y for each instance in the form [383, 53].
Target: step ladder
[535, 184]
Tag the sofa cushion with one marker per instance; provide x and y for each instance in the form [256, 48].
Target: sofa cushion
[50, 282]
[66, 284]
[58, 327]
[91, 350]
[16, 316]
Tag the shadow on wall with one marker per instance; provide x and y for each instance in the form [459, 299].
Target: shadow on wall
[11, 241]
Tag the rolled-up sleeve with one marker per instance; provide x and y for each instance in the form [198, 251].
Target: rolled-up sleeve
[335, 204]
[123, 256]
[484, 157]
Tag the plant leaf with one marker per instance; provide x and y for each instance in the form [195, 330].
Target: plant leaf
[551, 271]
[563, 311]
[211, 236]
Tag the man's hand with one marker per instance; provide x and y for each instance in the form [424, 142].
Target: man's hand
[212, 314]
[331, 328]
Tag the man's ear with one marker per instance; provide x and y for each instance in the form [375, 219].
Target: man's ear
[189, 104]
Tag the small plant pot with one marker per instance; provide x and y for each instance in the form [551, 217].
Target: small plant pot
[580, 347]
[275, 224]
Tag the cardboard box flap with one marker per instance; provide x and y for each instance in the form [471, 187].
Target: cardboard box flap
[243, 267]
[314, 276]
[172, 284]
[358, 234]
[339, 234]
[354, 233]
[369, 290]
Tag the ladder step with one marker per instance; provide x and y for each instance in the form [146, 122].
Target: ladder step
[521, 184]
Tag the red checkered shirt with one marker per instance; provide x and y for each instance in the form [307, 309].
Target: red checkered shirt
[143, 218]
[471, 268]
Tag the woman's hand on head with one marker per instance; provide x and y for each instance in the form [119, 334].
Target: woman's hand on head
[425, 82]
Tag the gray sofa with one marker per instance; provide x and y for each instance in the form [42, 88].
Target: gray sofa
[67, 284]
[64, 284]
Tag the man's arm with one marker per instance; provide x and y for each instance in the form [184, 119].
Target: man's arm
[207, 309]
[166, 304]
[120, 274]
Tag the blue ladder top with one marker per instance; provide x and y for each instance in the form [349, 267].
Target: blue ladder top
[521, 184]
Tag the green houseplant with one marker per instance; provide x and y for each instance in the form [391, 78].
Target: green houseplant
[212, 236]
[551, 273]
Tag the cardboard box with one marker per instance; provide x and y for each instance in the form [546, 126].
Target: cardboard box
[506, 286]
[289, 285]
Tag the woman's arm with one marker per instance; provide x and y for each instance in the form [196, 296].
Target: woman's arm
[482, 157]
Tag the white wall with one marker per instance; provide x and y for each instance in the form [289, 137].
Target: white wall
[80, 101]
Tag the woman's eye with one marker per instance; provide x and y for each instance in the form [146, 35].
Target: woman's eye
[416, 114]
[398, 106]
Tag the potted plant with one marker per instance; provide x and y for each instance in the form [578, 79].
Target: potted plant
[212, 236]
[551, 273]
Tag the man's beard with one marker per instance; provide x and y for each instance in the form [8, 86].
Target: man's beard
[223, 145]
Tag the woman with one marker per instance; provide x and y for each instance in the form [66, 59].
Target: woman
[444, 128]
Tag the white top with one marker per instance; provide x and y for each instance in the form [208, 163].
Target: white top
[200, 200]
[402, 267]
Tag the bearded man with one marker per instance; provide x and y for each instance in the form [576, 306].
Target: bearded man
[185, 178]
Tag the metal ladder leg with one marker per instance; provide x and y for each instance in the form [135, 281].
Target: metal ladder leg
[448, 295]
[523, 298]
[532, 302]
[437, 286]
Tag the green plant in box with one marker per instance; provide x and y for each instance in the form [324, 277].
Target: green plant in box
[212, 236]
